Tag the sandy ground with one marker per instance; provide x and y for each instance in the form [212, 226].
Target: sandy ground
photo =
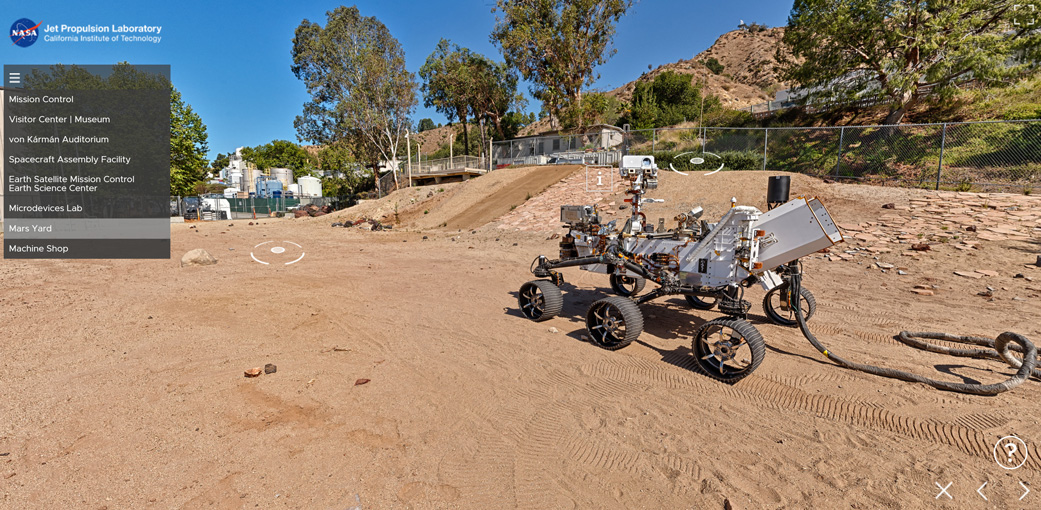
[122, 382]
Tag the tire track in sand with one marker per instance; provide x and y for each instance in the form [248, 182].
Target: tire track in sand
[777, 395]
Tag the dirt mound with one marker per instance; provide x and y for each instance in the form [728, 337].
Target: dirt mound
[461, 205]
[505, 199]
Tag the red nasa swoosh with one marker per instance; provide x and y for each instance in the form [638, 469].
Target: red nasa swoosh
[30, 30]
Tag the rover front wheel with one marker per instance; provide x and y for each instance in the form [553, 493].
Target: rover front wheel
[614, 322]
[780, 307]
[540, 300]
[728, 349]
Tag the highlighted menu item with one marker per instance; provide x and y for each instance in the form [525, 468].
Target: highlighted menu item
[86, 162]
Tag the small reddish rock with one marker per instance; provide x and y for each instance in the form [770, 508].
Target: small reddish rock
[923, 292]
[360, 382]
[254, 372]
[920, 247]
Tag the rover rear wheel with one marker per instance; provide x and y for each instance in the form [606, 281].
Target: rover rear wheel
[702, 303]
[614, 322]
[627, 286]
[728, 349]
[540, 300]
[779, 307]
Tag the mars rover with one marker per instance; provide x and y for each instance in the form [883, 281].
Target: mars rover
[710, 264]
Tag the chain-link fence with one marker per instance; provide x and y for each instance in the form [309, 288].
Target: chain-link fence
[219, 208]
[426, 168]
[1002, 155]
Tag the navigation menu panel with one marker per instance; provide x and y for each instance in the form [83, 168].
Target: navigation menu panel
[87, 162]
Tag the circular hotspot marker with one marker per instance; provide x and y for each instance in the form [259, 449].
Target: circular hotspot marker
[277, 253]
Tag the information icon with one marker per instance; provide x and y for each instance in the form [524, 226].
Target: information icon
[600, 179]
[1010, 452]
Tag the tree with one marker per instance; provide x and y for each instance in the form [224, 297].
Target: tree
[446, 84]
[668, 100]
[426, 125]
[344, 177]
[220, 162]
[360, 91]
[188, 146]
[493, 92]
[280, 154]
[897, 51]
[557, 44]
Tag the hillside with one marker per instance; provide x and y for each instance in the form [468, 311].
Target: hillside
[747, 78]
[748, 75]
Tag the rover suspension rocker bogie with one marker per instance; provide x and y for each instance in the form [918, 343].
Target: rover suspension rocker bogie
[710, 264]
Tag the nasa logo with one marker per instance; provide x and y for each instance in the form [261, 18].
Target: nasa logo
[23, 32]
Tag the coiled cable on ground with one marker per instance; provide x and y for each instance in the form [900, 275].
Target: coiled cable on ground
[999, 349]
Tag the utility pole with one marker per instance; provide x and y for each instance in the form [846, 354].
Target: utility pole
[408, 145]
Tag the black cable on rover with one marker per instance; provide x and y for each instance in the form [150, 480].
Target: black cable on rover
[998, 349]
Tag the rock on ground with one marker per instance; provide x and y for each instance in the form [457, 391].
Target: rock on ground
[198, 257]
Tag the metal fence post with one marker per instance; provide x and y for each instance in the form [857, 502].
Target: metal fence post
[766, 139]
[654, 140]
[939, 168]
[838, 161]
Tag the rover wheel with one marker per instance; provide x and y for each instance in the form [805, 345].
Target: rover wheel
[614, 322]
[540, 300]
[702, 303]
[728, 349]
[627, 286]
[779, 307]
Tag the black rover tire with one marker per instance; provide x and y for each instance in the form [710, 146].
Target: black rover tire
[614, 322]
[540, 300]
[701, 303]
[627, 286]
[778, 305]
[728, 349]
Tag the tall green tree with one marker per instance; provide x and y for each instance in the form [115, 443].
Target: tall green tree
[361, 93]
[280, 154]
[426, 125]
[493, 93]
[343, 177]
[896, 50]
[557, 45]
[447, 84]
[220, 162]
[667, 100]
[188, 146]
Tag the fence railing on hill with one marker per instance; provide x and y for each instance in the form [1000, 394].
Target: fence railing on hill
[956, 155]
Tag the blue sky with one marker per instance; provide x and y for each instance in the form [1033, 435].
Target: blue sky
[231, 59]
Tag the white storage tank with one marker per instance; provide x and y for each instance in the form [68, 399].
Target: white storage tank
[283, 174]
[310, 186]
[250, 178]
[230, 192]
[294, 189]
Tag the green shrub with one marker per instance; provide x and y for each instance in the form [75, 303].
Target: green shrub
[713, 65]
[731, 160]
[1022, 111]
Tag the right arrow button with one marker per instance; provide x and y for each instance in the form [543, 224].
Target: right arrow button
[1025, 493]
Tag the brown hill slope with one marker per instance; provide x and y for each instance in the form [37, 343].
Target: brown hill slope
[748, 75]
